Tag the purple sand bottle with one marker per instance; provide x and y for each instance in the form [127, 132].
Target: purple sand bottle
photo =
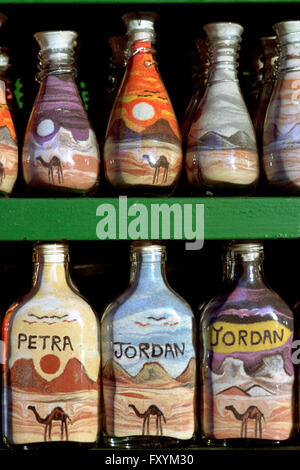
[246, 369]
[60, 152]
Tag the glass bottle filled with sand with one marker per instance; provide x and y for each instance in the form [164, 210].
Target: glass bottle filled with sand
[142, 150]
[148, 359]
[246, 369]
[221, 155]
[60, 152]
[51, 389]
[281, 143]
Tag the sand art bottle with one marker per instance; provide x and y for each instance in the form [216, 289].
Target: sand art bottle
[149, 365]
[142, 151]
[246, 369]
[199, 87]
[281, 144]
[60, 152]
[8, 139]
[269, 57]
[221, 157]
[51, 361]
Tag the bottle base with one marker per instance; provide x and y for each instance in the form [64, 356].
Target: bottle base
[145, 442]
[57, 192]
[142, 191]
[57, 445]
[245, 442]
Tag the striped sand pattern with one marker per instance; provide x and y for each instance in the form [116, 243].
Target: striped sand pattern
[281, 142]
[235, 166]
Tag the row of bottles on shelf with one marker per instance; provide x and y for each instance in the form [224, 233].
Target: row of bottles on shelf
[143, 151]
[149, 353]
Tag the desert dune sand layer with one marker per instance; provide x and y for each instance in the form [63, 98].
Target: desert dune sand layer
[220, 423]
[282, 167]
[222, 166]
[81, 407]
[176, 404]
[82, 175]
[126, 165]
[9, 160]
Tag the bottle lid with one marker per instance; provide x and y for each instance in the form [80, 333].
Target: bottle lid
[242, 246]
[147, 246]
[223, 30]
[50, 252]
[56, 40]
[286, 27]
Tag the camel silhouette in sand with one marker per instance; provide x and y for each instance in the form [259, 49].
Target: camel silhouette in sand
[55, 161]
[251, 413]
[162, 162]
[152, 410]
[57, 414]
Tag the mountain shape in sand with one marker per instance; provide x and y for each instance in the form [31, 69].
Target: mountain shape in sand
[257, 390]
[73, 378]
[233, 391]
[5, 136]
[214, 141]
[154, 374]
[187, 377]
[232, 369]
[114, 372]
[160, 130]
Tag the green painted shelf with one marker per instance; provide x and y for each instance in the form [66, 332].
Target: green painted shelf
[77, 219]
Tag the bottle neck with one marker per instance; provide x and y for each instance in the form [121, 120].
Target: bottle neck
[51, 272]
[244, 270]
[141, 51]
[56, 62]
[148, 270]
[223, 55]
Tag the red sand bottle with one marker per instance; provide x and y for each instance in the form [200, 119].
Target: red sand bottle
[142, 151]
[246, 370]
[221, 156]
[9, 155]
[51, 361]
[60, 152]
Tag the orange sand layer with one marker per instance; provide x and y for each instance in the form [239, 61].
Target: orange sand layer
[220, 423]
[222, 166]
[177, 405]
[128, 167]
[82, 175]
[81, 407]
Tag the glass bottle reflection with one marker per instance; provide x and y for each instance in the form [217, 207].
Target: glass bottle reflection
[148, 359]
[246, 366]
[51, 389]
